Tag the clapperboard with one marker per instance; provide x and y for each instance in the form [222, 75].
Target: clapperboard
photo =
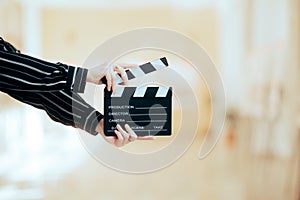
[146, 109]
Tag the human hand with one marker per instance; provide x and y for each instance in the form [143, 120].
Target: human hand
[95, 74]
[122, 137]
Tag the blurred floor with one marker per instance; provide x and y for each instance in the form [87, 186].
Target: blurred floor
[62, 169]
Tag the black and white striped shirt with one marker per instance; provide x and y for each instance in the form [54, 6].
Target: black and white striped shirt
[48, 86]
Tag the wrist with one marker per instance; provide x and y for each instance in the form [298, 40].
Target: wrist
[88, 77]
[92, 77]
[99, 127]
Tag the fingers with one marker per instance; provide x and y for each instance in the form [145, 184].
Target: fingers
[99, 129]
[120, 140]
[124, 137]
[120, 69]
[96, 74]
[113, 80]
[111, 75]
[127, 65]
[132, 134]
[108, 78]
[150, 137]
[129, 135]
[122, 72]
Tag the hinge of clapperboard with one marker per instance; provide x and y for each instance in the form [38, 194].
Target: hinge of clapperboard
[142, 70]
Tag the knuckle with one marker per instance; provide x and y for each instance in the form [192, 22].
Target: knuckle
[126, 136]
[120, 137]
[122, 70]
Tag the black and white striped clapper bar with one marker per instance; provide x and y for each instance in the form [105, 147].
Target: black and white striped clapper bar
[147, 110]
[142, 70]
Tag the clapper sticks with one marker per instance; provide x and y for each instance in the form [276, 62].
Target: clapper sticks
[147, 110]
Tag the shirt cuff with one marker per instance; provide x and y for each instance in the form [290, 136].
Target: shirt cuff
[89, 121]
[93, 122]
[76, 79]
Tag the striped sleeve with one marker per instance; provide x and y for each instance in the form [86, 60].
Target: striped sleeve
[19, 72]
[65, 107]
[47, 86]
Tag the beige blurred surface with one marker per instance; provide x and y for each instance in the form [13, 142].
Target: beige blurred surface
[87, 28]
[257, 156]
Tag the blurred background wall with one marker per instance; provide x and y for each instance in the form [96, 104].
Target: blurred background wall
[255, 45]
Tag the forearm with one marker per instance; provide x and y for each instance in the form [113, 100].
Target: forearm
[64, 107]
[24, 73]
[20, 72]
